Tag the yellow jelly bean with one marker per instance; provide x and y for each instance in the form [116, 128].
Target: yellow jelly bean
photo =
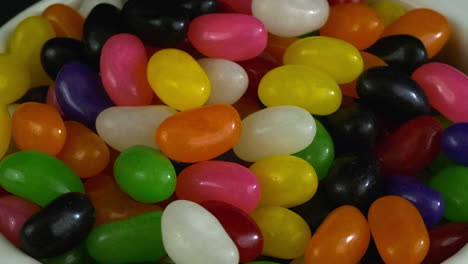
[388, 10]
[178, 79]
[26, 42]
[286, 180]
[285, 233]
[303, 86]
[336, 57]
[14, 79]
[300, 260]
[5, 130]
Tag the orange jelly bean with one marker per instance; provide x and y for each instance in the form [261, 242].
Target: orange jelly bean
[431, 27]
[66, 21]
[111, 203]
[277, 46]
[355, 23]
[84, 151]
[370, 61]
[342, 238]
[199, 134]
[398, 230]
[38, 126]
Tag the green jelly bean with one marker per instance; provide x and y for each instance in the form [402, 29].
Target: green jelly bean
[145, 174]
[79, 255]
[452, 183]
[136, 239]
[38, 176]
[441, 162]
[320, 153]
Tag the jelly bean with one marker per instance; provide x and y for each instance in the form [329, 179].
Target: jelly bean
[86, 7]
[14, 211]
[320, 153]
[247, 106]
[303, 86]
[343, 237]
[298, 17]
[37, 126]
[236, 6]
[78, 255]
[84, 151]
[315, 210]
[228, 80]
[410, 148]
[441, 162]
[353, 129]
[334, 56]
[66, 21]
[459, 258]
[124, 126]
[429, 202]
[392, 93]
[187, 221]
[256, 68]
[388, 11]
[37, 176]
[14, 75]
[199, 134]
[145, 174]
[136, 239]
[274, 131]
[446, 240]
[445, 88]
[111, 203]
[58, 227]
[11, 254]
[401, 51]
[431, 27]
[157, 23]
[240, 227]
[285, 180]
[57, 52]
[36, 94]
[300, 260]
[355, 181]
[285, 233]
[222, 181]
[398, 230]
[178, 80]
[339, 2]
[454, 143]
[25, 44]
[5, 131]
[277, 46]
[234, 37]
[123, 71]
[355, 23]
[80, 93]
[104, 21]
[451, 183]
[197, 8]
[52, 99]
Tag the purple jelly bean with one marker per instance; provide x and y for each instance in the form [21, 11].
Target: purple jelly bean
[428, 201]
[80, 93]
[454, 142]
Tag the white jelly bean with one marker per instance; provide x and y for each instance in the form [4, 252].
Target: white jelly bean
[9, 254]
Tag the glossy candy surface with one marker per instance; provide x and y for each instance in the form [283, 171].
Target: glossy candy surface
[388, 10]
[455, 143]
[37, 126]
[334, 56]
[285, 233]
[13, 74]
[197, 8]
[204, 239]
[66, 21]
[178, 80]
[5, 131]
[37, 176]
[302, 86]
[219, 180]
[57, 52]
[398, 230]
[232, 36]
[58, 227]
[256, 68]
[273, 131]
[236, 6]
[343, 237]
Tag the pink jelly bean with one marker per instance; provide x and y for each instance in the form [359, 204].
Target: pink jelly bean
[123, 71]
[51, 99]
[234, 37]
[14, 211]
[236, 6]
[446, 88]
[219, 180]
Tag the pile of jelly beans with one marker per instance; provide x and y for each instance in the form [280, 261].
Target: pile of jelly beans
[232, 131]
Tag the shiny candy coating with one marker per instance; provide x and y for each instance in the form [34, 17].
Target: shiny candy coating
[398, 230]
[256, 68]
[234, 37]
[78, 255]
[58, 227]
[236, 6]
[51, 99]
[5, 130]
[66, 21]
[15, 77]
[219, 180]
[37, 176]
[334, 56]
[343, 237]
[446, 240]
[455, 143]
[197, 8]
[274, 131]
[388, 10]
